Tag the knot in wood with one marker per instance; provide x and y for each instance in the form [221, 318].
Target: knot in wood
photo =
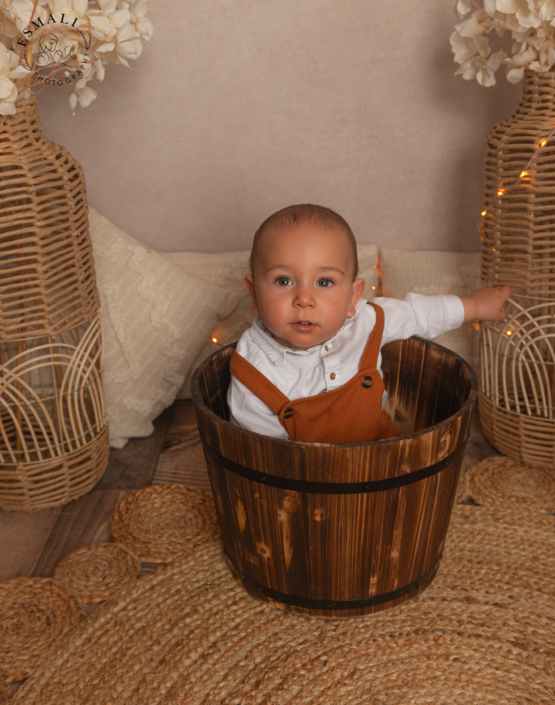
[367, 381]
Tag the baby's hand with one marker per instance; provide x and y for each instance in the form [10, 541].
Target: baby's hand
[486, 304]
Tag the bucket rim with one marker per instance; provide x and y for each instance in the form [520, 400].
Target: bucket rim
[470, 402]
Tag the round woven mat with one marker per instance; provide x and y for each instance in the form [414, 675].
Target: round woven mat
[35, 613]
[161, 522]
[482, 633]
[93, 573]
[502, 482]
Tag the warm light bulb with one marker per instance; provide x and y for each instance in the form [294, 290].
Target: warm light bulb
[214, 340]
[374, 288]
[493, 248]
[509, 331]
[543, 143]
[484, 213]
[524, 174]
[476, 325]
[501, 192]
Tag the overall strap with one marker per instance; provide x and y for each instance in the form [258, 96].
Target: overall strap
[369, 358]
[257, 383]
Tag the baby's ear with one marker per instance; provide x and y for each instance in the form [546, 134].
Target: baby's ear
[357, 292]
[249, 285]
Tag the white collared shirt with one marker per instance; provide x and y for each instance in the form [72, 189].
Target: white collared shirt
[304, 373]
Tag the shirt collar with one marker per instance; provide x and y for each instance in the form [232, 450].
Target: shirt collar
[277, 352]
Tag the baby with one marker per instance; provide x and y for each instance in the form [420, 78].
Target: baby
[314, 333]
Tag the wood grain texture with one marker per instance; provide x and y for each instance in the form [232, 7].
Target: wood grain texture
[478, 446]
[83, 522]
[182, 459]
[183, 464]
[23, 536]
[350, 546]
[182, 428]
[133, 466]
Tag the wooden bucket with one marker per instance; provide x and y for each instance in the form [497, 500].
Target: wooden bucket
[341, 530]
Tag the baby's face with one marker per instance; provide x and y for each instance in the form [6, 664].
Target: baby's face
[303, 284]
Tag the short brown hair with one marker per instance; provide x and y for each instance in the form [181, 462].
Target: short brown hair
[305, 213]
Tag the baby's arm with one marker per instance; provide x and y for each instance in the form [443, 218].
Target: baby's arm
[486, 304]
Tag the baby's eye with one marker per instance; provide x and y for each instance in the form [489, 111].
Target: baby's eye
[325, 283]
[284, 281]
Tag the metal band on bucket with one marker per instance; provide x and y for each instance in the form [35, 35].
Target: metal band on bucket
[288, 483]
[297, 601]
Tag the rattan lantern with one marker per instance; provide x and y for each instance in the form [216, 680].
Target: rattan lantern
[53, 424]
[517, 356]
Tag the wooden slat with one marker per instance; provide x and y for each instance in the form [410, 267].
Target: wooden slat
[183, 425]
[133, 466]
[182, 459]
[478, 446]
[83, 522]
[23, 536]
[184, 465]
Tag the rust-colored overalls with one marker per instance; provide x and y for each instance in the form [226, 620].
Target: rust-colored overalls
[352, 413]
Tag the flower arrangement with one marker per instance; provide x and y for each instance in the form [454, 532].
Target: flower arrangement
[66, 42]
[523, 33]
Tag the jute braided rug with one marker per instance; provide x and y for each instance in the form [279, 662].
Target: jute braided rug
[158, 523]
[93, 573]
[484, 632]
[35, 613]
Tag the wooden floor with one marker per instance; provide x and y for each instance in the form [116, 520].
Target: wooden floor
[31, 543]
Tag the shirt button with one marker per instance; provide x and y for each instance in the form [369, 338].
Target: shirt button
[326, 348]
[332, 375]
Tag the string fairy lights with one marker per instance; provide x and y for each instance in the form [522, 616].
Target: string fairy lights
[517, 354]
[525, 174]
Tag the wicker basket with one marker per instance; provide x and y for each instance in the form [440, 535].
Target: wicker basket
[517, 356]
[53, 425]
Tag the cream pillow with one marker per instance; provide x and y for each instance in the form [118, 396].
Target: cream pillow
[225, 269]
[156, 317]
[435, 273]
[228, 269]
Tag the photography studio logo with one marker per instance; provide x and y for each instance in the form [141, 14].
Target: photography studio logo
[60, 56]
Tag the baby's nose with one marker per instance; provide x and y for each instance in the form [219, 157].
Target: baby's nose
[304, 297]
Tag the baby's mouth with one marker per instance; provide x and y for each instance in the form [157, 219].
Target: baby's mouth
[304, 325]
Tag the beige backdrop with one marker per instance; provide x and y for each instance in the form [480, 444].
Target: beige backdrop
[240, 107]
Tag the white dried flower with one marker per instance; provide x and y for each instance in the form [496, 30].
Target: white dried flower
[528, 23]
[524, 10]
[462, 7]
[465, 48]
[482, 69]
[10, 72]
[105, 31]
[478, 23]
[547, 10]
[489, 7]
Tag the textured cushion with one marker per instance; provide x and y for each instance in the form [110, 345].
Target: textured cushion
[435, 273]
[228, 269]
[156, 317]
